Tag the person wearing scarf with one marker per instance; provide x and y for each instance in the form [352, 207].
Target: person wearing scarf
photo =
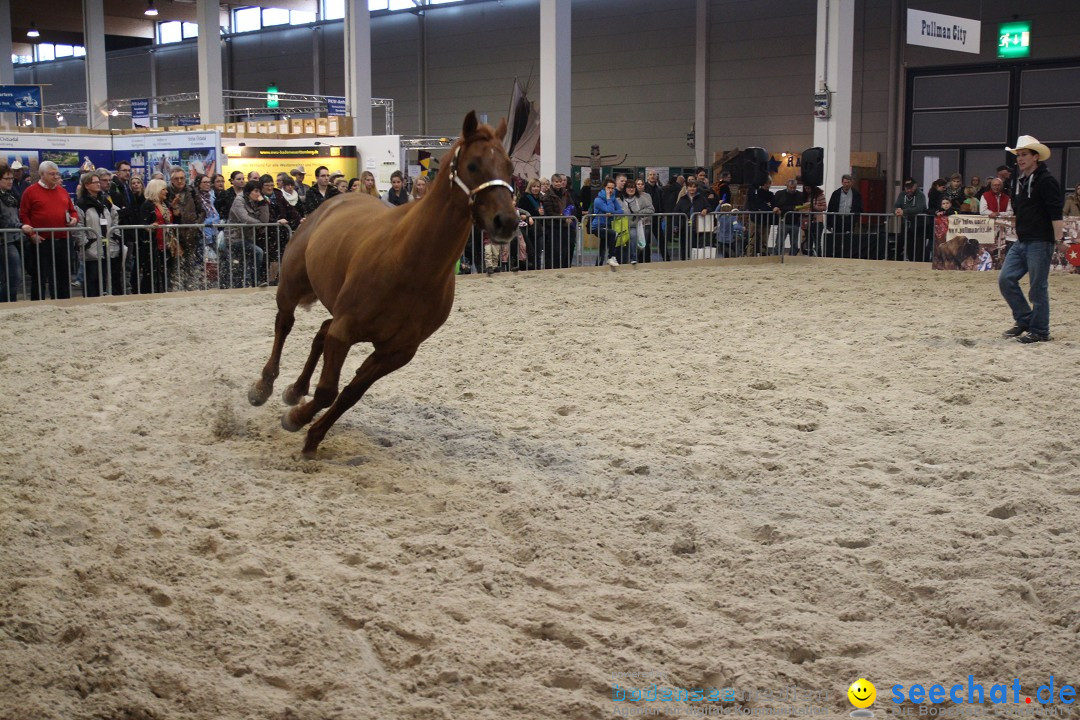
[296, 202]
[204, 195]
[103, 254]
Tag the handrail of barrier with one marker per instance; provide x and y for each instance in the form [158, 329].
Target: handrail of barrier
[189, 258]
[868, 236]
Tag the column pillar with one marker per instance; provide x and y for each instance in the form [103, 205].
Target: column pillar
[211, 102]
[701, 86]
[833, 68]
[97, 88]
[555, 111]
[7, 68]
[358, 64]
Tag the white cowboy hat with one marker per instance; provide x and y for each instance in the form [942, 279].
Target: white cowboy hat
[1027, 142]
[16, 166]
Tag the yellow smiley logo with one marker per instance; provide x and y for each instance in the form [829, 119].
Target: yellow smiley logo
[862, 693]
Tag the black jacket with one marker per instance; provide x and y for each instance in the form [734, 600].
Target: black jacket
[1037, 204]
[127, 210]
[9, 215]
[670, 196]
[657, 195]
[760, 199]
[314, 198]
[834, 207]
[787, 201]
[688, 206]
[223, 203]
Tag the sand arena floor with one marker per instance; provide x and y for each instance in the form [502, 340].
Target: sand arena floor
[750, 477]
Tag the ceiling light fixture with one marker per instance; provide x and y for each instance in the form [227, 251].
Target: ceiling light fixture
[32, 32]
[150, 9]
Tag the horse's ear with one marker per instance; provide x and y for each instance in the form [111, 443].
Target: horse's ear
[469, 128]
[500, 132]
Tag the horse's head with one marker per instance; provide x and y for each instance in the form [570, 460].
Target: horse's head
[482, 169]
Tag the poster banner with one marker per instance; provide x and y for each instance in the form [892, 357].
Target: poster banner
[976, 242]
[140, 113]
[335, 105]
[195, 153]
[272, 160]
[73, 154]
[20, 98]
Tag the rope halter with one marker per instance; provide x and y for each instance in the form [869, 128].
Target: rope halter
[479, 188]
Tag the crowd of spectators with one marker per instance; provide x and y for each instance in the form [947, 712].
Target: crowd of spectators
[121, 240]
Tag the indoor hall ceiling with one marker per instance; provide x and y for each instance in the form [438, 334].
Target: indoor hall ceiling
[61, 21]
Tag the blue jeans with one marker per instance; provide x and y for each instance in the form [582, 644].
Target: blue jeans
[1031, 258]
[11, 272]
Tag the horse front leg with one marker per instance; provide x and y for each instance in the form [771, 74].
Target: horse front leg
[376, 365]
[264, 386]
[296, 392]
[335, 350]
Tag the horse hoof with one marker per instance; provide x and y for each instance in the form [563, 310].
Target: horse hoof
[291, 396]
[288, 423]
[310, 454]
[257, 395]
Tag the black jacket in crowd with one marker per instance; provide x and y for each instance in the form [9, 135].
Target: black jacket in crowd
[834, 207]
[127, 206]
[314, 198]
[689, 206]
[223, 203]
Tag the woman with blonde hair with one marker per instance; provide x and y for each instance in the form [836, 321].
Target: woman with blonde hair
[367, 184]
[150, 255]
[419, 188]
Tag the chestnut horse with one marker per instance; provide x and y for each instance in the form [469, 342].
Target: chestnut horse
[386, 274]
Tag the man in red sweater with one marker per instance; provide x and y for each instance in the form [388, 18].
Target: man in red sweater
[46, 204]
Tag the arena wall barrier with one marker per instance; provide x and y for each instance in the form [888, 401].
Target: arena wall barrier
[139, 259]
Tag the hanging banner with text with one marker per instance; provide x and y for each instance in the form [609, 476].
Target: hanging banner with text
[335, 105]
[140, 112]
[20, 98]
[946, 32]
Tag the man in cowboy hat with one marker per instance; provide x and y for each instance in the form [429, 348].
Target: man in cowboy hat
[22, 179]
[298, 175]
[1037, 203]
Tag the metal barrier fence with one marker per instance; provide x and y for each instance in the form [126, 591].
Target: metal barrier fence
[560, 242]
[868, 236]
[139, 259]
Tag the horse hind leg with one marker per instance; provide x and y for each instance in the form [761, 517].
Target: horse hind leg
[376, 365]
[264, 386]
[296, 392]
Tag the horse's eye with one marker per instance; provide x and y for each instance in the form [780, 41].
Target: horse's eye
[473, 166]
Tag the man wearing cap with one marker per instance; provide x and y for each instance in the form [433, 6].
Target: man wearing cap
[22, 179]
[1037, 204]
[298, 175]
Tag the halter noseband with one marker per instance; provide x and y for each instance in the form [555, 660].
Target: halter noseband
[479, 188]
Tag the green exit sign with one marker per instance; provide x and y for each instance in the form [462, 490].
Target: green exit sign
[1014, 40]
[272, 96]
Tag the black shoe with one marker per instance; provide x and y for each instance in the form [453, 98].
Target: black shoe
[1014, 331]
[1030, 337]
